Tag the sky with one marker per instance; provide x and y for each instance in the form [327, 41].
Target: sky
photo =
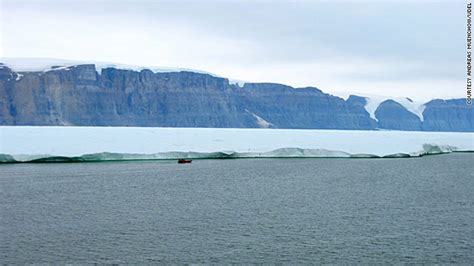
[400, 48]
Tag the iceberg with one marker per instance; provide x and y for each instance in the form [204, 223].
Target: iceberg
[81, 144]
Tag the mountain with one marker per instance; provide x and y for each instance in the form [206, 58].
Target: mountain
[448, 115]
[392, 115]
[98, 95]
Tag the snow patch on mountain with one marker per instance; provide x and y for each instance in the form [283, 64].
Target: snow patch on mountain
[372, 105]
[52, 64]
[260, 121]
[237, 82]
[374, 101]
[412, 106]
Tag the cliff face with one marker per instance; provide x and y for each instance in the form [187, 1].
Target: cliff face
[392, 115]
[80, 96]
[286, 107]
[448, 115]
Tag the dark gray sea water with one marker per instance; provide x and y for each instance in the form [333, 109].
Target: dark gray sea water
[417, 210]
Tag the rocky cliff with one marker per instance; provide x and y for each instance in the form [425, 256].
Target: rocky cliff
[448, 115]
[80, 95]
[392, 115]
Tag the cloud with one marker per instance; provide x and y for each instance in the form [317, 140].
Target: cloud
[388, 47]
[332, 76]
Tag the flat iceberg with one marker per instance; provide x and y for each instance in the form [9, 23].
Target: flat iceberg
[46, 144]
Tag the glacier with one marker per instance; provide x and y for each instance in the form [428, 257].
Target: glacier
[373, 102]
[414, 107]
[52, 144]
[41, 64]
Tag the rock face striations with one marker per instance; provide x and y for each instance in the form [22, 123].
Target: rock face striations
[79, 95]
[448, 115]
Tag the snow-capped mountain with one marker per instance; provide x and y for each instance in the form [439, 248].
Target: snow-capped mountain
[64, 92]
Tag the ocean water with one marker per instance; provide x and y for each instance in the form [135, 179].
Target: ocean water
[416, 210]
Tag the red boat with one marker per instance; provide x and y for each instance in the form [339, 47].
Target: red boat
[184, 161]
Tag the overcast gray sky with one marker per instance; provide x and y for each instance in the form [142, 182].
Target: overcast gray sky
[395, 48]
